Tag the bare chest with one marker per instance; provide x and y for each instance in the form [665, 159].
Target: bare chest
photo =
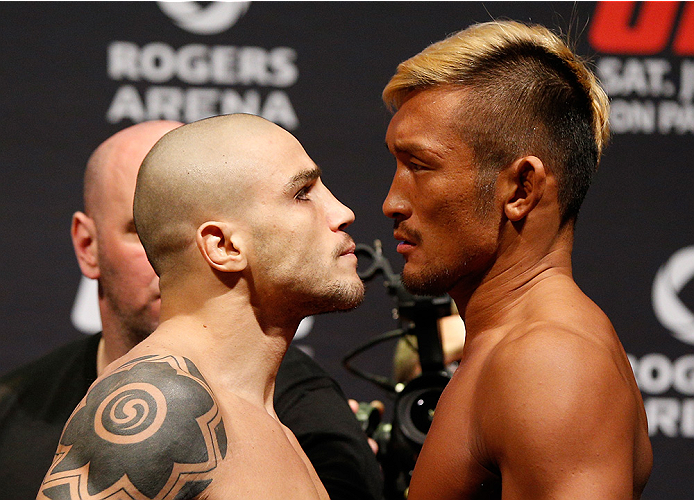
[262, 460]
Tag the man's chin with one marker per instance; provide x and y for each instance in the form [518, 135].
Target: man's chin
[341, 297]
[351, 296]
[427, 283]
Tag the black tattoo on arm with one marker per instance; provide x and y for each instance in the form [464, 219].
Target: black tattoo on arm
[152, 429]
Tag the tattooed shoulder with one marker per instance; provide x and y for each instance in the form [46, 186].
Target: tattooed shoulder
[151, 429]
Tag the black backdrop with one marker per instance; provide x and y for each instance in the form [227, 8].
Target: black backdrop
[74, 73]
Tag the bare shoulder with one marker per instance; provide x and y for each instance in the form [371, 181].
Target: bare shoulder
[560, 401]
[553, 372]
[554, 348]
[149, 429]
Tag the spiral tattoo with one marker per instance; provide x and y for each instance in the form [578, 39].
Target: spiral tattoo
[124, 439]
[132, 414]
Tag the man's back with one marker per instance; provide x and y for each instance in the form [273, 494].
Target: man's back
[542, 405]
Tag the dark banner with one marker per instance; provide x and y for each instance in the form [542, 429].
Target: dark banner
[72, 74]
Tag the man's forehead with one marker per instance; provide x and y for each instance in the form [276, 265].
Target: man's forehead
[413, 139]
[278, 176]
[426, 122]
[284, 163]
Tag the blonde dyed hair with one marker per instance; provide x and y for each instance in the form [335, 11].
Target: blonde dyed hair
[524, 92]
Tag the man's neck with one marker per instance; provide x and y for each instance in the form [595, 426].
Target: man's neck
[101, 361]
[499, 298]
[116, 341]
[225, 340]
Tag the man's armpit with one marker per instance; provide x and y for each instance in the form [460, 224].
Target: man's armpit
[152, 429]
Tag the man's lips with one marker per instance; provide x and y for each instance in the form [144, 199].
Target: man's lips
[406, 242]
[404, 247]
[349, 249]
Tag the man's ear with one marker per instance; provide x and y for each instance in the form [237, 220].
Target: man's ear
[221, 247]
[84, 241]
[524, 185]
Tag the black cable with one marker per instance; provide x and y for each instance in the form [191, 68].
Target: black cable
[381, 381]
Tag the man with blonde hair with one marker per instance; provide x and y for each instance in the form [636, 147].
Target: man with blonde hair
[497, 133]
[246, 241]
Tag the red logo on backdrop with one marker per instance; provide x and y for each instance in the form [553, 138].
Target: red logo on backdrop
[642, 28]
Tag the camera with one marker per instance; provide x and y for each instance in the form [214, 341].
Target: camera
[399, 442]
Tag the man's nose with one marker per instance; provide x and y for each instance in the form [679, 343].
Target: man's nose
[340, 215]
[395, 205]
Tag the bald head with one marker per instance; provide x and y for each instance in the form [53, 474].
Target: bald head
[118, 158]
[203, 171]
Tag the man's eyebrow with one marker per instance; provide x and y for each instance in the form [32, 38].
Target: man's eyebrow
[302, 178]
[406, 147]
[400, 147]
[413, 148]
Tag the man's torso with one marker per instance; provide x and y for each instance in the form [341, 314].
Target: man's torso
[466, 449]
[42, 395]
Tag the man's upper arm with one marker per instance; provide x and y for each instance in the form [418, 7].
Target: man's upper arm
[561, 420]
[150, 429]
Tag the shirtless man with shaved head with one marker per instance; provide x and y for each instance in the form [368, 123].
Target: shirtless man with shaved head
[246, 241]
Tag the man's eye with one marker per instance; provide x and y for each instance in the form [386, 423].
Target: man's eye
[415, 164]
[303, 193]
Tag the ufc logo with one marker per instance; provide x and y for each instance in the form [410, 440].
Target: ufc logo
[618, 28]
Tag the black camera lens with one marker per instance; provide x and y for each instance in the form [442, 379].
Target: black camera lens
[414, 408]
[422, 409]
[416, 411]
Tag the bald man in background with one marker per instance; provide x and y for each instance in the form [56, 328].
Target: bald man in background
[37, 399]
